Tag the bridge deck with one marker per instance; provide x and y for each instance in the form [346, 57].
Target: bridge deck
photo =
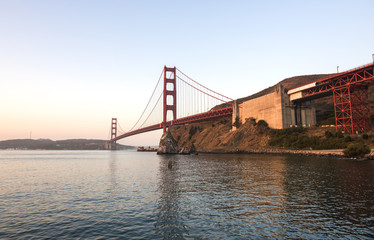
[363, 75]
[210, 115]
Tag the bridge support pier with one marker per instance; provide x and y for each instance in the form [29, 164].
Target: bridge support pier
[352, 110]
[303, 114]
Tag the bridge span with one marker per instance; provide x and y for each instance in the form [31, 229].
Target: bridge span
[183, 101]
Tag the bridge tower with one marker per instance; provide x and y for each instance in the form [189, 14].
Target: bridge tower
[169, 81]
[113, 144]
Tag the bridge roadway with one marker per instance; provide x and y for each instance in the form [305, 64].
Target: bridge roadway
[210, 115]
[360, 76]
[350, 90]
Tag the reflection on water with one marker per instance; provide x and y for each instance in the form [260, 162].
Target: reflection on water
[244, 196]
[123, 194]
[169, 215]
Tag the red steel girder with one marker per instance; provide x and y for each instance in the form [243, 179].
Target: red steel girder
[210, 115]
[362, 75]
[204, 116]
[141, 130]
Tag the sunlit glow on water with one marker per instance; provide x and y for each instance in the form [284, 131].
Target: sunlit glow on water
[124, 194]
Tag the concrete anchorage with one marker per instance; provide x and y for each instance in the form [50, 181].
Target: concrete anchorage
[276, 109]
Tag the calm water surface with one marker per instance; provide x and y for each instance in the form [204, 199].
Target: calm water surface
[130, 195]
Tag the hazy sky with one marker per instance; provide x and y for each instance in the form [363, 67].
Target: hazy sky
[68, 67]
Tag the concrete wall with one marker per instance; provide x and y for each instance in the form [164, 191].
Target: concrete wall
[269, 107]
[276, 109]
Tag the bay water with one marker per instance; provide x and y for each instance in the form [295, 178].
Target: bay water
[135, 195]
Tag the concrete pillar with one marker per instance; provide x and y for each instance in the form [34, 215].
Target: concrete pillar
[293, 115]
[303, 116]
[235, 114]
[298, 114]
[313, 113]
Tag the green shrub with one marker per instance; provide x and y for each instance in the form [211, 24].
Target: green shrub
[348, 139]
[262, 123]
[339, 134]
[328, 134]
[331, 143]
[223, 121]
[237, 122]
[365, 136]
[356, 150]
[296, 139]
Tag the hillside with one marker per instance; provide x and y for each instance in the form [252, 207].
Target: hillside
[288, 83]
[47, 144]
[256, 137]
[216, 136]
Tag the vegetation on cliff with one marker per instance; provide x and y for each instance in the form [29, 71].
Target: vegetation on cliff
[356, 150]
[297, 138]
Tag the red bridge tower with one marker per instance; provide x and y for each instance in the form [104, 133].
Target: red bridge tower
[169, 80]
[113, 144]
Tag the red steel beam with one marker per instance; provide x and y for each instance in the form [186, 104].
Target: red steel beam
[363, 75]
[204, 116]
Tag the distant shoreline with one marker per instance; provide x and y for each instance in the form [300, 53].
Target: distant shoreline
[48, 144]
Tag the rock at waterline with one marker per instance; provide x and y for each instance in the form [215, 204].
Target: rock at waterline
[168, 145]
[190, 148]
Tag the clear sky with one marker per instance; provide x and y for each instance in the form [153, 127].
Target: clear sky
[68, 67]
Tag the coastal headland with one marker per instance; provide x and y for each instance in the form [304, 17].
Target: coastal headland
[257, 137]
[314, 134]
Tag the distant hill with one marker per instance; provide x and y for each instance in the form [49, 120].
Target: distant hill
[69, 144]
[288, 83]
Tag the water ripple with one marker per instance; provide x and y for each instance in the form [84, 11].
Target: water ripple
[130, 195]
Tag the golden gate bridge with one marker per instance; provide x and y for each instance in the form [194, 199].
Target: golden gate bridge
[176, 100]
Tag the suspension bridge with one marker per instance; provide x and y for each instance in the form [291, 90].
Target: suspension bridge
[176, 100]
[179, 99]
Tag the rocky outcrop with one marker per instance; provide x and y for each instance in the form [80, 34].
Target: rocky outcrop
[168, 145]
[370, 156]
[148, 149]
[216, 136]
[188, 149]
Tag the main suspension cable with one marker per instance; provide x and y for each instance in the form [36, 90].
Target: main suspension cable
[154, 90]
[152, 109]
[119, 125]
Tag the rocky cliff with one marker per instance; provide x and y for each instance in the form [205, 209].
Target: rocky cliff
[216, 136]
